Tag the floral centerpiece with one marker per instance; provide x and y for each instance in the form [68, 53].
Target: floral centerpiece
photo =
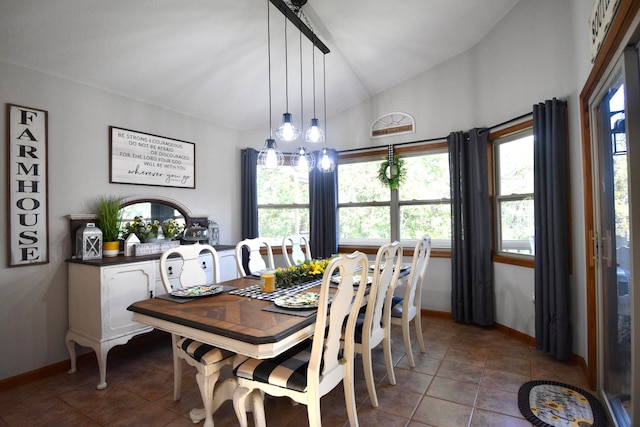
[296, 274]
[149, 231]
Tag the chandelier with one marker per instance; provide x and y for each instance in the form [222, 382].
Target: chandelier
[302, 159]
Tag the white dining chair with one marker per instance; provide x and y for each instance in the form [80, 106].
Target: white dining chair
[300, 249]
[374, 326]
[316, 366]
[408, 308]
[256, 262]
[207, 359]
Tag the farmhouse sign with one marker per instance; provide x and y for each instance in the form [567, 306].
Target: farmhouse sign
[599, 22]
[27, 190]
[146, 159]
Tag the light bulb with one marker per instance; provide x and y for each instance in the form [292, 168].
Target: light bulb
[287, 131]
[314, 133]
[326, 161]
[271, 161]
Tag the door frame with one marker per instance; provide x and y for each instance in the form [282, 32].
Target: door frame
[626, 18]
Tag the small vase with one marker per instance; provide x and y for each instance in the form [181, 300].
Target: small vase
[110, 249]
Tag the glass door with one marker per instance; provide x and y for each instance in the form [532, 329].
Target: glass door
[613, 114]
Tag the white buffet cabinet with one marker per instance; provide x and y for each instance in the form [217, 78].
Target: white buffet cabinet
[101, 290]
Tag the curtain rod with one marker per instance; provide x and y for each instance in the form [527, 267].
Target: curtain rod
[511, 120]
[291, 16]
[395, 145]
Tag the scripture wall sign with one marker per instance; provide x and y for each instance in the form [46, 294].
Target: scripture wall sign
[27, 173]
[599, 22]
[142, 158]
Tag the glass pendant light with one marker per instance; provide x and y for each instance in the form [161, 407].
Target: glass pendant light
[270, 157]
[286, 131]
[303, 160]
[326, 163]
[315, 132]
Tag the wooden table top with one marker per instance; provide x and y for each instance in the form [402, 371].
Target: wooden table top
[231, 321]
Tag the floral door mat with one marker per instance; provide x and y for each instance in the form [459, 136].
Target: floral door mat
[553, 404]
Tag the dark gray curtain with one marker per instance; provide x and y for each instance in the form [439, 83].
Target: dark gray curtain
[249, 191]
[552, 292]
[323, 210]
[472, 294]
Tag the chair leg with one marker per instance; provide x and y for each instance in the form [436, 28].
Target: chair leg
[349, 397]
[368, 376]
[388, 360]
[313, 412]
[177, 369]
[206, 383]
[407, 342]
[418, 324]
[239, 406]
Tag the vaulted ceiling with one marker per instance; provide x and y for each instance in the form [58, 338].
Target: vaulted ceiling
[208, 58]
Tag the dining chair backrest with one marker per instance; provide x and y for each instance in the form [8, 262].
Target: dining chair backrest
[385, 276]
[256, 263]
[326, 355]
[192, 272]
[413, 292]
[375, 328]
[300, 250]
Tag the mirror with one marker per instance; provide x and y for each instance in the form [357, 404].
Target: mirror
[162, 220]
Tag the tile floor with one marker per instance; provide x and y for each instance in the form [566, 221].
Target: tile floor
[469, 376]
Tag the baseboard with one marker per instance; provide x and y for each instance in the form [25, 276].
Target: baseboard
[82, 360]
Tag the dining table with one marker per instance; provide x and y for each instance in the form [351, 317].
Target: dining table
[240, 318]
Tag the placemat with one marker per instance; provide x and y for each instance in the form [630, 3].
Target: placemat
[180, 300]
[302, 313]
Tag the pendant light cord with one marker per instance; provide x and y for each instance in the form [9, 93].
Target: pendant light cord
[286, 67]
[269, 61]
[301, 97]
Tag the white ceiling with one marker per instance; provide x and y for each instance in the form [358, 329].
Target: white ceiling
[208, 58]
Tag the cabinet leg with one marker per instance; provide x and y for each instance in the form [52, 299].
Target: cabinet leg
[101, 355]
[71, 347]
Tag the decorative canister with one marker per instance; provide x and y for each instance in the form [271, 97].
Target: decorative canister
[89, 242]
[214, 233]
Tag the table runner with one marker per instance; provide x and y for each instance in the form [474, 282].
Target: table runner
[254, 291]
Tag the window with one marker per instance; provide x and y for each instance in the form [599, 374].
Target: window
[283, 203]
[513, 169]
[363, 203]
[370, 214]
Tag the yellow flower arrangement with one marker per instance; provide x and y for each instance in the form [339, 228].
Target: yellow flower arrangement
[296, 274]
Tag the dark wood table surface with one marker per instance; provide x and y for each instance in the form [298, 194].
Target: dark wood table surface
[233, 322]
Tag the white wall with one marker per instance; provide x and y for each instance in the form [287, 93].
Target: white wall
[33, 303]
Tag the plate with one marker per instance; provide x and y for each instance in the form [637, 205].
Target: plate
[197, 291]
[303, 300]
[403, 267]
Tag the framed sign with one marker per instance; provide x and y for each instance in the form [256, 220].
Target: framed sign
[393, 124]
[27, 188]
[146, 159]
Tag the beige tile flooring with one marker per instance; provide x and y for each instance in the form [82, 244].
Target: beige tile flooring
[469, 376]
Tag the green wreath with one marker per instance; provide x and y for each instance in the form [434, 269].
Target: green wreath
[392, 180]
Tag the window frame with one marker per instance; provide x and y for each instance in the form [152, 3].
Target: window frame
[506, 134]
[394, 204]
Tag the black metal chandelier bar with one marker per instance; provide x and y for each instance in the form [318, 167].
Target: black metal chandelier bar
[295, 20]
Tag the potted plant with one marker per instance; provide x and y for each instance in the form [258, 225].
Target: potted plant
[109, 218]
